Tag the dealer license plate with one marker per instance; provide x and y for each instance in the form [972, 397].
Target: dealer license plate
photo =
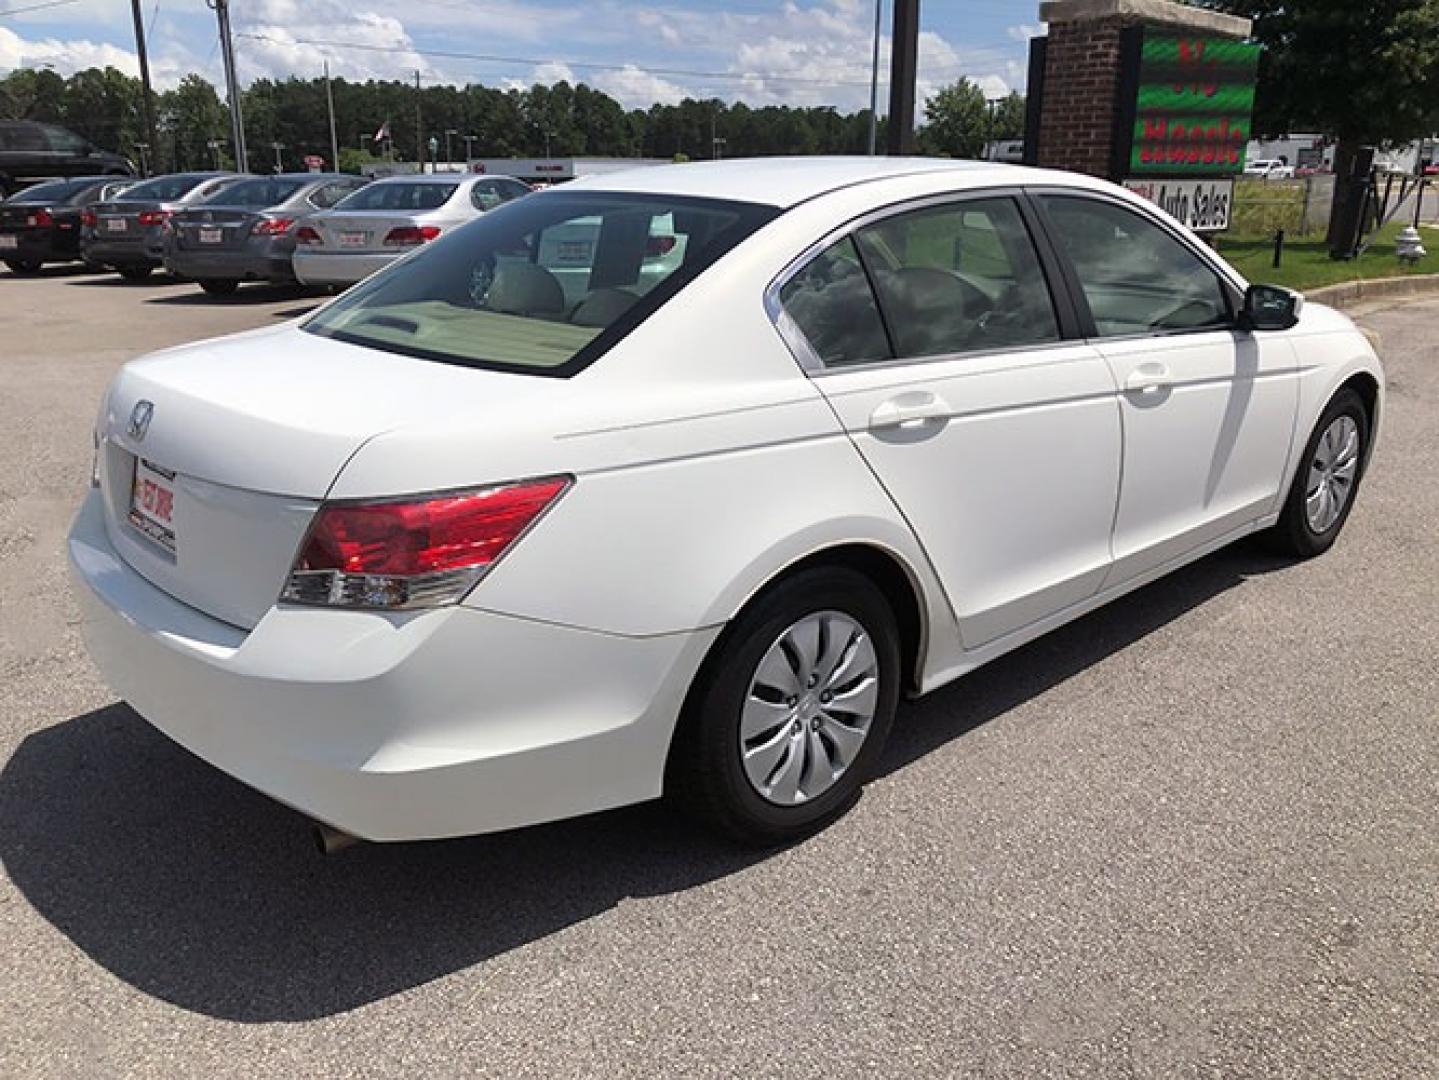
[115, 224]
[211, 236]
[152, 504]
[9, 243]
[354, 239]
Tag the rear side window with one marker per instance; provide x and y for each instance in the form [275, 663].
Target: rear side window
[540, 285]
[22, 137]
[329, 194]
[1136, 277]
[959, 278]
[486, 195]
[399, 196]
[54, 192]
[66, 142]
[831, 302]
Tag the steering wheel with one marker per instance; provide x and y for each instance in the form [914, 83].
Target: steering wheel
[482, 277]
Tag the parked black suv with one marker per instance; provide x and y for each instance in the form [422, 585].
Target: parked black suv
[31, 151]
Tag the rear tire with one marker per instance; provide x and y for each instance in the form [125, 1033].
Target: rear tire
[1326, 482]
[23, 266]
[219, 286]
[135, 273]
[747, 748]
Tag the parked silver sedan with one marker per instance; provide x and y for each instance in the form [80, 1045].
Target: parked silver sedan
[377, 224]
[247, 231]
[127, 232]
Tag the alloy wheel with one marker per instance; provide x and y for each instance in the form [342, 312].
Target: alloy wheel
[1331, 474]
[809, 708]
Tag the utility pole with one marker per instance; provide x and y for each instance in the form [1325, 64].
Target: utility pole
[146, 102]
[419, 125]
[874, 81]
[469, 148]
[449, 157]
[904, 59]
[334, 139]
[232, 86]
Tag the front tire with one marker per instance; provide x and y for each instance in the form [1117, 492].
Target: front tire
[135, 273]
[1326, 482]
[219, 286]
[789, 715]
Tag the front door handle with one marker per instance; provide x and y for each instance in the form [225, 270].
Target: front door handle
[910, 410]
[1149, 380]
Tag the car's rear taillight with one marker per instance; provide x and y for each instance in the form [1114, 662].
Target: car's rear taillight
[154, 217]
[273, 227]
[414, 553]
[307, 235]
[40, 219]
[410, 235]
[89, 218]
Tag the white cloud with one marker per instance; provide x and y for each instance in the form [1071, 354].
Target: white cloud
[274, 41]
[635, 88]
[66, 57]
[1025, 31]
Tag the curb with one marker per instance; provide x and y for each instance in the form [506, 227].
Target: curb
[1355, 293]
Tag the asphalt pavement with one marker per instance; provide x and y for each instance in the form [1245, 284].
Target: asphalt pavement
[1195, 834]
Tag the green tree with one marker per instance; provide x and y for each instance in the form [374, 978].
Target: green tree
[957, 121]
[1364, 73]
[191, 116]
[1008, 119]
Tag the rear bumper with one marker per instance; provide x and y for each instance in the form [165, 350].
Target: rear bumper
[131, 252]
[337, 268]
[41, 247]
[446, 723]
[236, 265]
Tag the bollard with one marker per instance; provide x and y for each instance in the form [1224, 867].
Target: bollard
[1278, 247]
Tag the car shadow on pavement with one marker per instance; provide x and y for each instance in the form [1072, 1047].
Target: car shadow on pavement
[249, 293]
[195, 889]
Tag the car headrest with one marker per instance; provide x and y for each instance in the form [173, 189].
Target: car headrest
[602, 307]
[522, 288]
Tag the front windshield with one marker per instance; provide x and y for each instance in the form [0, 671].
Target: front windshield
[541, 285]
[398, 195]
[164, 188]
[256, 194]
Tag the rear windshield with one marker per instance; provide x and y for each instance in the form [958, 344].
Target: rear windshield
[164, 188]
[541, 285]
[53, 192]
[256, 193]
[398, 196]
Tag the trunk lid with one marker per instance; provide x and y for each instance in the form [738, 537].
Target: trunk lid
[243, 438]
[362, 230]
[217, 229]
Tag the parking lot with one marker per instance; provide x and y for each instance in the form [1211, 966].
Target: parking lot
[1194, 834]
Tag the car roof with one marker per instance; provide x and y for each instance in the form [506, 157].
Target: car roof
[427, 178]
[786, 181]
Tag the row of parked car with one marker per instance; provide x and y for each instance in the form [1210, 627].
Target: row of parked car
[221, 229]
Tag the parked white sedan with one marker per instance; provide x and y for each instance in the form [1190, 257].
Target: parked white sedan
[370, 229]
[479, 544]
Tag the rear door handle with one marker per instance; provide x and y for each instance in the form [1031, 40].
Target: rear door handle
[1149, 380]
[909, 410]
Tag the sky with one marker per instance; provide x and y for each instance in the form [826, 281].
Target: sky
[791, 52]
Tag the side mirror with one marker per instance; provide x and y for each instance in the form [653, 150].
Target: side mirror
[1270, 307]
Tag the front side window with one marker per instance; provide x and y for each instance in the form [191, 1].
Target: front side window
[832, 304]
[959, 278]
[66, 142]
[1136, 277]
[539, 285]
[399, 195]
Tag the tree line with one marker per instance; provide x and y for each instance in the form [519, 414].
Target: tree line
[560, 120]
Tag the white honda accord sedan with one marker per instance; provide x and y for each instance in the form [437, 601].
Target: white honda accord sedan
[683, 502]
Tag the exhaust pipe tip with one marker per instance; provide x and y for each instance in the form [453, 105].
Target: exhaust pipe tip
[330, 840]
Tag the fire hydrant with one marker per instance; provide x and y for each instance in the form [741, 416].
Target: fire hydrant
[1408, 246]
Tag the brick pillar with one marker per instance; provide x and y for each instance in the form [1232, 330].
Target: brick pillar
[1082, 68]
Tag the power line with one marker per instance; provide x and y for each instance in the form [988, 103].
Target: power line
[37, 7]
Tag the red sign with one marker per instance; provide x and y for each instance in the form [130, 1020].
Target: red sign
[314, 161]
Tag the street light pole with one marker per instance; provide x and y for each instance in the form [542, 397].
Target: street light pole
[449, 158]
[146, 94]
[334, 139]
[874, 81]
[232, 85]
[279, 163]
